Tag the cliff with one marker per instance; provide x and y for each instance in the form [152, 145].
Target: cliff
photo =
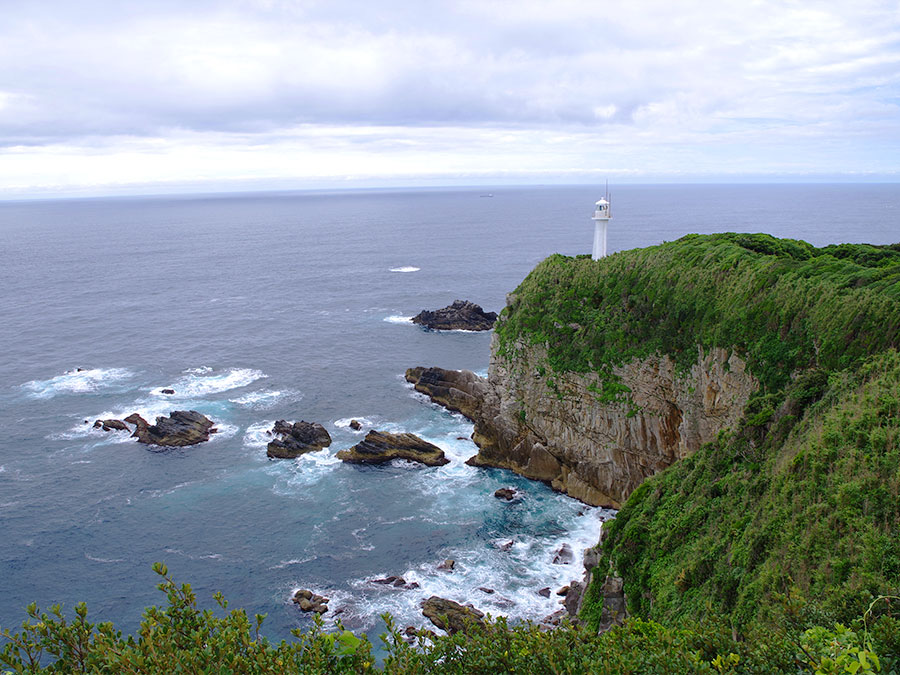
[733, 394]
[558, 429]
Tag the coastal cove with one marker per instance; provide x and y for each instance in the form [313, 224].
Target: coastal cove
[258, 308]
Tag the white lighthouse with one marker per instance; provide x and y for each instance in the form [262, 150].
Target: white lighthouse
[601, 220]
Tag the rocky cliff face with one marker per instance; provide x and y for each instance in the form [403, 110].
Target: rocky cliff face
[554, 428]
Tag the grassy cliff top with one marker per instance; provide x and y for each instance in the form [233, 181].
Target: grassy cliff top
[782, 304]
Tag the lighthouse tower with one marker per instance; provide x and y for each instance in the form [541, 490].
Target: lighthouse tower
[601, 220]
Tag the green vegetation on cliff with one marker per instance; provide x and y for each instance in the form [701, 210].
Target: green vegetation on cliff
[784, 305]
[767, 511]
[802, 499]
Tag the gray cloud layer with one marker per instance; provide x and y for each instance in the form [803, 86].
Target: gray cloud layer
[655, 74]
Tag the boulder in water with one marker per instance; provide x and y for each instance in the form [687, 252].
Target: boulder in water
[378, 447]
[506, 494]
[110, 425]
[297, 439]
[450, 616]
[461, 315]
[564, 556]
[308, 601]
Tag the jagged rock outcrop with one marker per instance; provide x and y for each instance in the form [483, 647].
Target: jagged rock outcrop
[379, 447]
[179, 429]
[461, 315]
[297, 439]
[562, 434]
[450, 616]
[457, 390]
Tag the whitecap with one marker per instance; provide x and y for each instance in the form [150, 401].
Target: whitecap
[293, 561]
[199, 382]
[191, 556]
[256, 435]
[407, 268]
[261, 400]
[303, 471]
[104, 560]
[366, 423]
[399, 319]
[77, 382]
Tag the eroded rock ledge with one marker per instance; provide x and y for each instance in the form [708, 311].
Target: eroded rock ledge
[558, 431]
[380, 447]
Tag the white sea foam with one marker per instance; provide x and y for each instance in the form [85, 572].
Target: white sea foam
[366, 423]
[293, 561]
[306, 470]
[104, 560]
[407, 268]
[399, 319]
[256, 435]
[262, 400]
[515, 575]
[193, 556]
[200, 382]
[77, 382]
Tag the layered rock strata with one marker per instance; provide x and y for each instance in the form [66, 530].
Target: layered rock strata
[379, 447]
[554, 427]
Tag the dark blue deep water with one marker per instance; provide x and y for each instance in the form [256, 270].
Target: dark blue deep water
[291, 306]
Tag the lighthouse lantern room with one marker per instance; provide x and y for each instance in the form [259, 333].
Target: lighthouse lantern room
[601, 220]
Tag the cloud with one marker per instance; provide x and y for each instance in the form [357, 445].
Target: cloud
[396, 83]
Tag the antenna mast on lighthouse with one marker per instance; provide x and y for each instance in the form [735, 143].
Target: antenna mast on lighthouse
[601, 221]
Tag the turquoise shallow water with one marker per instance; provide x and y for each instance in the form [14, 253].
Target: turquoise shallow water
[292, 306]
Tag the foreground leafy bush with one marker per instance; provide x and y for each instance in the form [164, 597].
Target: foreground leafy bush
[181, 638]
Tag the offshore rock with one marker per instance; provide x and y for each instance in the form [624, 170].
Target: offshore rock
[297, 439]
[461, 315]
[450, 616]
[110, 425]
[308, 601]
[379, 447]
[396, 582]
[457, 390]
[506, 494]
[179, 429]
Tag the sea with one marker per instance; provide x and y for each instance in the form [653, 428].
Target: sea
[297, 306]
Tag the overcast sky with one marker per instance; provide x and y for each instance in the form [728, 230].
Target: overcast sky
[117, 96]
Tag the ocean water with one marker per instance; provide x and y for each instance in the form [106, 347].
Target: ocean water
[295, 306]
